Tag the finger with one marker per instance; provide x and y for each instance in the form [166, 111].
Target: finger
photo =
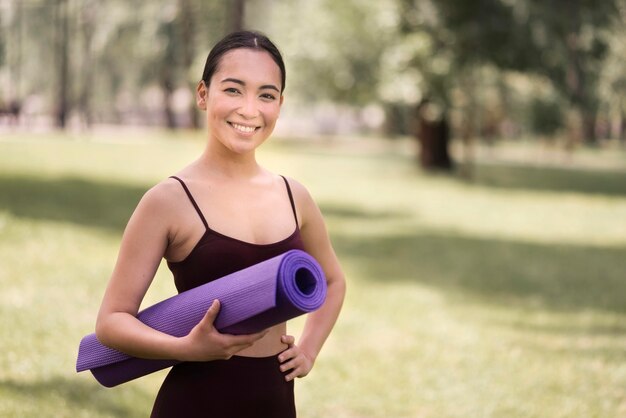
[292, 364]
[287, 355]
[293, 374]
[288, 339]
[211, 313]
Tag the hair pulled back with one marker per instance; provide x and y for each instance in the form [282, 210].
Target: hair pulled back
[242, 39]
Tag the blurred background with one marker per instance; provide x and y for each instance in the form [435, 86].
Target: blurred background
[469, 158]
[481, 69]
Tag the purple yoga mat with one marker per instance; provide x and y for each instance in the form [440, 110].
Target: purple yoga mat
[251, 299]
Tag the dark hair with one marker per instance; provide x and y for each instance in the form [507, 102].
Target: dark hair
[242, 39]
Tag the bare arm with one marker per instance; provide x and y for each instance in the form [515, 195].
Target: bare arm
[144, 243]
[300, 357]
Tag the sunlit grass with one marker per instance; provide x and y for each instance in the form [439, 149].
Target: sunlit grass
[501, 297]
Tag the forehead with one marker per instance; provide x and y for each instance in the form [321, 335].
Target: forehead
[249, 65]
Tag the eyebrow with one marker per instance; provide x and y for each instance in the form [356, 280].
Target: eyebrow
[263, 87]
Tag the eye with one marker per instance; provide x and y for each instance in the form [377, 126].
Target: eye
[231, 90]
[268, 96]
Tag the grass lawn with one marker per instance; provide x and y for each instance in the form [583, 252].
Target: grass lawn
[500, 297]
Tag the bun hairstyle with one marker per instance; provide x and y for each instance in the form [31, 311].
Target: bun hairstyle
[242, 39]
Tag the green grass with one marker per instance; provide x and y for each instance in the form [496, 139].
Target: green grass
[500, 297]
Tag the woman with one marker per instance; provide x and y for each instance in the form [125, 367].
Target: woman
[220, 214]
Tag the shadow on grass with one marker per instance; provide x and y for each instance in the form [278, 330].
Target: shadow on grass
[84, 202]
[106, 205]
[343, 212]
[78, 395]
[557, 277]
[600, 182]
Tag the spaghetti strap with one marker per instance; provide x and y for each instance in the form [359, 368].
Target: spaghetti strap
[293, 204]
[193, 202]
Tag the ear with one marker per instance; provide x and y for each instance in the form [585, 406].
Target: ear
[282, 99]
[202, 92]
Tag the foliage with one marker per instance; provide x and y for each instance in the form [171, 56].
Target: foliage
[125, 47]
[436, 49]
[612, 76]
[334, 49]
[2, 47]
[136, 61]
[545, 116]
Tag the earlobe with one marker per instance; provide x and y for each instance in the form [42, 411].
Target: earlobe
[201, 95]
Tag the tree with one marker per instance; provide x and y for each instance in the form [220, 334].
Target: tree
[571, 43]
[188, 40]
[612, 79]
[333, 49]
[565, 44]
[398, 54]
[168, 64]
[87, 23]
[63, 65]
[237, 15]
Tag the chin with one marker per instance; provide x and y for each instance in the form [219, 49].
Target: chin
[245, 148]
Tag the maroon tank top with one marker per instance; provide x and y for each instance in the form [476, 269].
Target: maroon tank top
[217, 255]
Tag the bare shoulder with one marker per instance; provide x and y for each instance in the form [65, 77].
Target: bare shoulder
[163, 195]
[161, 202]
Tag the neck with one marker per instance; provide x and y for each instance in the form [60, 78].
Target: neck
[225, 163]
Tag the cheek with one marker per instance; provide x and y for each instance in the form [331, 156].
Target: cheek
[271, 111]
[217, 108]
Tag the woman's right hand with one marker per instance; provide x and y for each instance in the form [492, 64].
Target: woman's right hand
[204, 342]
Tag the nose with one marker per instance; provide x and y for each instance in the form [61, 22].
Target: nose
[248, 108]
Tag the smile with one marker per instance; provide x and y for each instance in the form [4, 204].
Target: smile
[243, 128]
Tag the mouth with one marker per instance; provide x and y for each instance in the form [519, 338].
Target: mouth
[244, 129]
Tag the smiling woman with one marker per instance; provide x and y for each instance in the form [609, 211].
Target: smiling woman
[220, 214]
[243, 101]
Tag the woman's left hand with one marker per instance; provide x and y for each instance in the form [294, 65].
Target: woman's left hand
[294, 359]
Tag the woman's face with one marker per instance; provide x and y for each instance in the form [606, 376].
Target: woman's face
[243, 99]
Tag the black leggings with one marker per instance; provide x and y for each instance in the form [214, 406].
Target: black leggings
[242, 387]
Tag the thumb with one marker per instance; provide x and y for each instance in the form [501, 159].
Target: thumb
[211, 313]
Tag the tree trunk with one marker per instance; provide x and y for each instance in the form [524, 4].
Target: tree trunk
[167, 72]
[589, 119]
[618, 127]
[579, 90]
[88, 16]
[187, 26]
[433, 134]
[16, 74]
[62, 108]
[168, 89]
[237, 13]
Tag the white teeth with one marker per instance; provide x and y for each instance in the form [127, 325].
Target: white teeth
[246, 129]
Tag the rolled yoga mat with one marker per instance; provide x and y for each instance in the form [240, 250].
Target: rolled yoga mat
[251, 299]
